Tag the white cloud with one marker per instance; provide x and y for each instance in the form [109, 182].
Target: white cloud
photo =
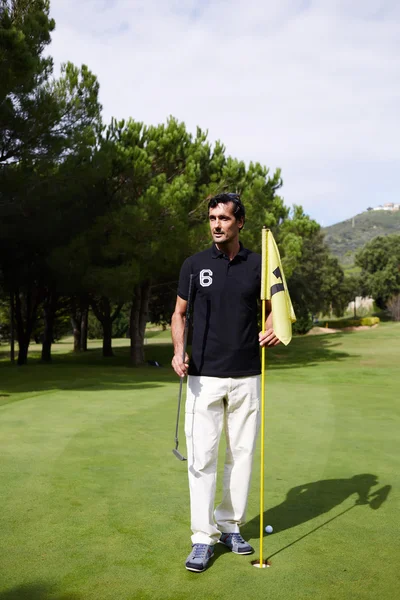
[312, 87]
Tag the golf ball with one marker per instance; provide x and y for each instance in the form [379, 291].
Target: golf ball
[269, 529]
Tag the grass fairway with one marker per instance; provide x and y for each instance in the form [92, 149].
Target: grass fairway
[94, 506]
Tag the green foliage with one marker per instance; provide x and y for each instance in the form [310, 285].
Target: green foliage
[43, 123]
[4, 320]
[62, 327]
[291, 235]
[103, 214]
[346, 238]
[304, 322]
[120, 326]
[162, 302]
[343, 323]
[95, 330]
[263, 205]
[369, 321]
[40, 117]
[25, 28]
[379, 261]
[317, 283]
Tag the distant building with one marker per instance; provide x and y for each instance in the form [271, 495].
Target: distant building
[362, 304]
[391, 206]
[362, 308]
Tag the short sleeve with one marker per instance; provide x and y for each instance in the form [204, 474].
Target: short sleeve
[184, 279]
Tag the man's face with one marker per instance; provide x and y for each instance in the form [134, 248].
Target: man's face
[223, 224]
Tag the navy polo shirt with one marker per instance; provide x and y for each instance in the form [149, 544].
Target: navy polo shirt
[225, 305]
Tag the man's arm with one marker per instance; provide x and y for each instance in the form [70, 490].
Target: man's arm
[268, 338]
[178, 335]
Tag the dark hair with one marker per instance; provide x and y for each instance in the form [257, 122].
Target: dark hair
[238, 211]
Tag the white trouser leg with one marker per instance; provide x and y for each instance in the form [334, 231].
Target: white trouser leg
[211, 402]
[204, 419]
[241, 427]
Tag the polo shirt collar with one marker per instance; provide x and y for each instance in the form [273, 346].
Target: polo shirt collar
[242, 254]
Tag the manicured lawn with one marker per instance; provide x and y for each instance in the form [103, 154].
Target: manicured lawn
[94, 506]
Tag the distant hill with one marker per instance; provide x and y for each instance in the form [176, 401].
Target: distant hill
[345, 238]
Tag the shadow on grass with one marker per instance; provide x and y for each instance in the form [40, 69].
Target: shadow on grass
[35, 592]
[89, 371]
[308, 501]
[308, 352]
[302, 352]
[36, 387]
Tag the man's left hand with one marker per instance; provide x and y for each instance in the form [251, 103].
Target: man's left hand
[268, 338]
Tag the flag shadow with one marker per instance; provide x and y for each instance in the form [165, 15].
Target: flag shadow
[308, 501]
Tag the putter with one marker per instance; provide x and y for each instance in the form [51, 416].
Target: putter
[175, 451]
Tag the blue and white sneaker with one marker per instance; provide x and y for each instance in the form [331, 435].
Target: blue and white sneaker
[199, 557]
[236, 543]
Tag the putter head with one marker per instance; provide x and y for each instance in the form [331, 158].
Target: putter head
[178, 455]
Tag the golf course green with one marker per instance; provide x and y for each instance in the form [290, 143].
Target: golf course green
[94, 505]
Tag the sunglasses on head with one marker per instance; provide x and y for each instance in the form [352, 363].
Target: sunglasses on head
[233, 197]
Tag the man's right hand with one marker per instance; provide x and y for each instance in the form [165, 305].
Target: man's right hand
[179, 366]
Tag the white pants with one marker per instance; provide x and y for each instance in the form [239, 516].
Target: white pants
[211, 404]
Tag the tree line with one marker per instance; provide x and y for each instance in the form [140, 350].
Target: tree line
[99, 217]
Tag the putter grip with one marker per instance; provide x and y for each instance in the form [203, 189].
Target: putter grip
[187, 316]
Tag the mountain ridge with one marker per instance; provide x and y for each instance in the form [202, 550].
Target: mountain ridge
[344, 239]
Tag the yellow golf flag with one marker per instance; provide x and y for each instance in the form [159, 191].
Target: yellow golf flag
[274, 288]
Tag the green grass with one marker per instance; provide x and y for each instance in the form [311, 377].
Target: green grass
[94, 506]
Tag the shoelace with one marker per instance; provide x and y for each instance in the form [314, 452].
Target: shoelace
[236, 537]
[200, 550]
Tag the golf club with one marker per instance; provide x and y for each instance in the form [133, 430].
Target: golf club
[185, 336]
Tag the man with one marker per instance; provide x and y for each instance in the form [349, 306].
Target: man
[223, 389]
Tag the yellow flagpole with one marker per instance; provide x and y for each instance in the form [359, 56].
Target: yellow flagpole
[273, 283]
[262, 432]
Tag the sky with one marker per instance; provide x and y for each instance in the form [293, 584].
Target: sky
[311, 87]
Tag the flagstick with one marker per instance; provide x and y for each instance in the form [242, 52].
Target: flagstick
[262, 438]
[263, 296]
[272, 285]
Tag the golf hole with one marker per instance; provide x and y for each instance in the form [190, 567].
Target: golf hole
[256, 563]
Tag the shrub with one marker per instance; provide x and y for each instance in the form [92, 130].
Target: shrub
[120, 327]
[370, 321]
[342, 323]
[95, 330]
[303, 324]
